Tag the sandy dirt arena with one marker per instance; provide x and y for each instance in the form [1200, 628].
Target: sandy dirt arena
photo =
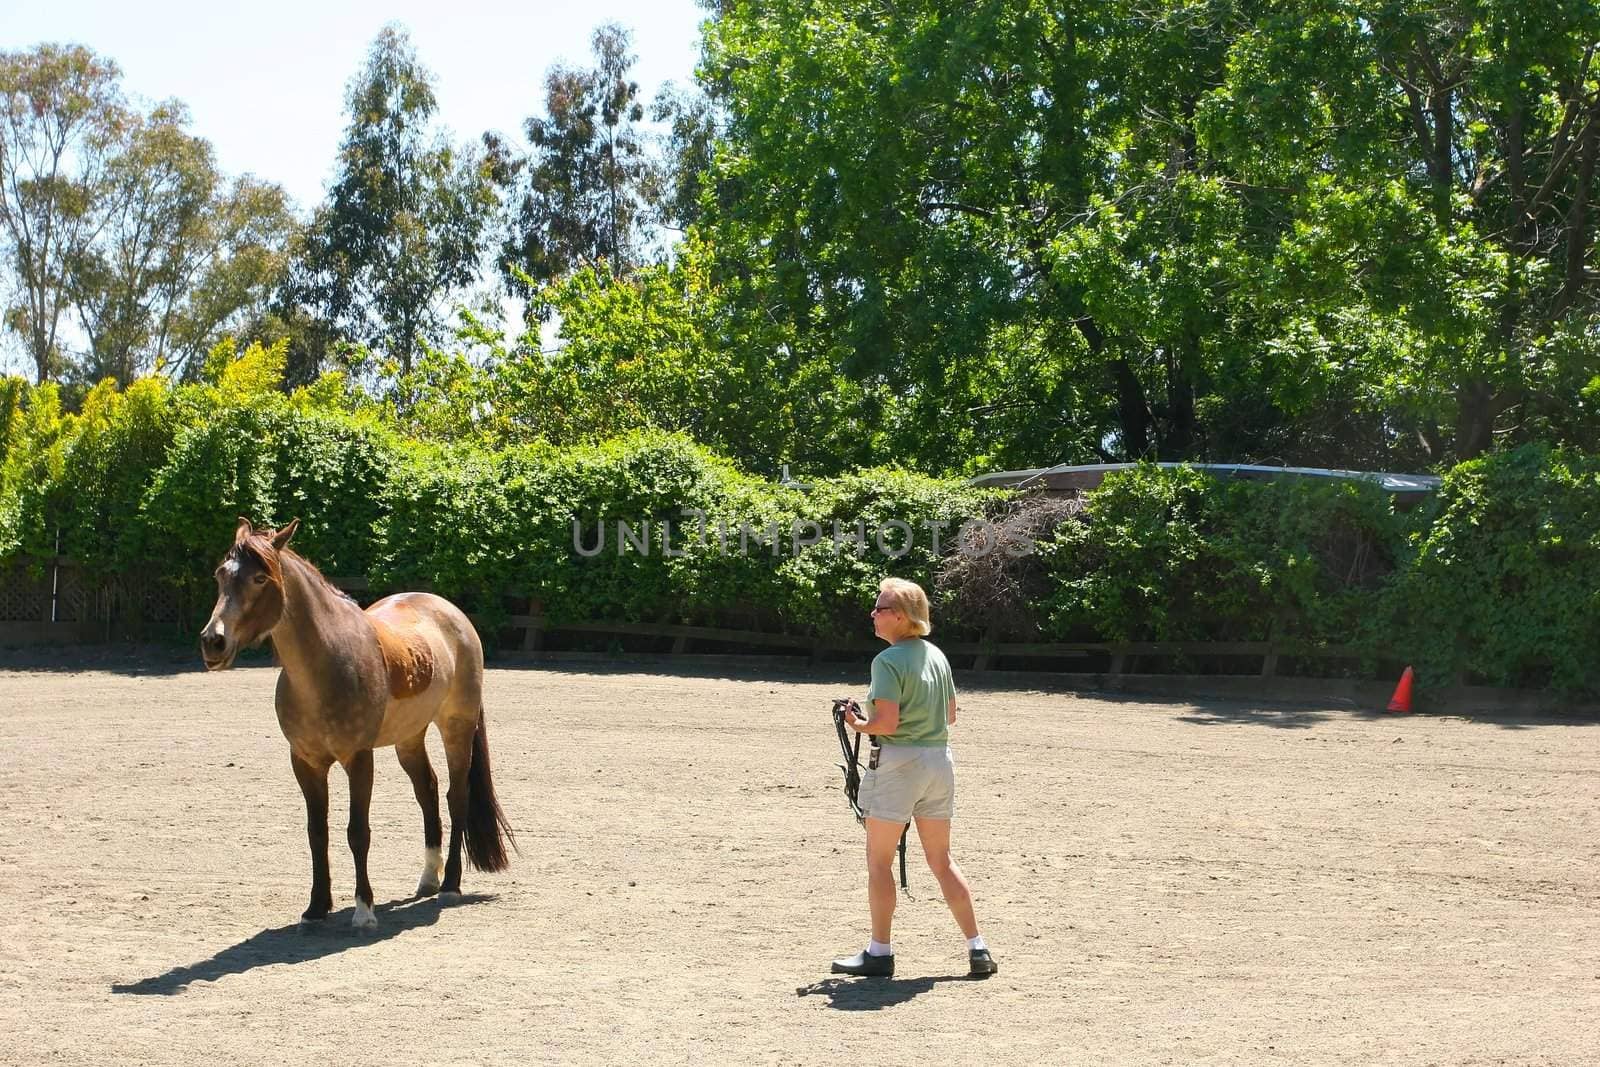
[1161, 883]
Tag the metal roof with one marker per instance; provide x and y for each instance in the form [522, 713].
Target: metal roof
[1067, 477]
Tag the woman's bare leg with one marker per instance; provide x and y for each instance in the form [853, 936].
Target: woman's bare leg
[883, 840]
[935, 837]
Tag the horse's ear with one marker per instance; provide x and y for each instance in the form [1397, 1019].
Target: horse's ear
[281, 538]
[244, 530]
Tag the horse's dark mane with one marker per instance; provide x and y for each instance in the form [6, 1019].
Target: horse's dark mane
[259, 547]
[312, 567]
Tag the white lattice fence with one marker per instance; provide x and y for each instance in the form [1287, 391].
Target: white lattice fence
[135, 598]
[63, 593]
[76, 598]
[23, 597]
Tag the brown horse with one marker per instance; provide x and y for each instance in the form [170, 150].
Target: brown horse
[356, 680]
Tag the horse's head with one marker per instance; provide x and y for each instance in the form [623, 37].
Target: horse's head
[249, 593]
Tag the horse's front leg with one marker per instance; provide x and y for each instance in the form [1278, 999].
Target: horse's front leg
[360, 834]
[313, 781]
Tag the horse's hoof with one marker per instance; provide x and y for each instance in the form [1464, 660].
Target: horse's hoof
[364, 919]
[311, 919]
[450, 896]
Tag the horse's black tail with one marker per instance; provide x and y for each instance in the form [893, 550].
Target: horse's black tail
[487, 830]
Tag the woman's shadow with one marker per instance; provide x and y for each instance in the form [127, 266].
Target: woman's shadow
[299, 943]
[874, 994]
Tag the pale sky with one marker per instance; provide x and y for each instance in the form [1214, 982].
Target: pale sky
[265, 83]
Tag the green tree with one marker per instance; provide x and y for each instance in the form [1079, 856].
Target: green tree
[156, 186]
[690, 119]
[229, 273]
[402, 230]
[581, 194]
[62, 119]
[1440, 162]
[902, 180]
[180, 255]
[1319, 232]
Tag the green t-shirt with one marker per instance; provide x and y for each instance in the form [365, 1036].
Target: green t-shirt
[915, 675]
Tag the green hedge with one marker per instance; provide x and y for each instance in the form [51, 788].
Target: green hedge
[1495, 580]
[152, 481]
[269, 462]
[696, 539]
[1174, 554]
[1504, 584]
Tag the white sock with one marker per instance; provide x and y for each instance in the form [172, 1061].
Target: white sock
[975, 944]
[879, 948]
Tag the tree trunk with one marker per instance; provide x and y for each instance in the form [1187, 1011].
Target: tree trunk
[1177, 439]
[1133, 411]
[1441, 167]
[1475, 413]
[1577, 222]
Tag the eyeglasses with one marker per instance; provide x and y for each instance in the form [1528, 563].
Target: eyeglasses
[882, 607]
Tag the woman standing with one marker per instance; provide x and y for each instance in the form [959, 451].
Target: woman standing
[912, 702]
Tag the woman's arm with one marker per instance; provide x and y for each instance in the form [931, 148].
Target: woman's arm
[885, 719]
[950, 713]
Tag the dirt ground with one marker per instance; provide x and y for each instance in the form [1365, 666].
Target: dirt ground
[1161, 883]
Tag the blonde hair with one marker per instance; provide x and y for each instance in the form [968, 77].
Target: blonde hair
[909, 598]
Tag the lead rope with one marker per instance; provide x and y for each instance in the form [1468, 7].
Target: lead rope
[852, 774]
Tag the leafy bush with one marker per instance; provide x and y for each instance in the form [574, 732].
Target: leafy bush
[649, 527]
[1174, 554]
[269, 462]
[1495, 581]
[464, 519]
[120, 441]
[38, 435]
[1504, 587]
[830, 585]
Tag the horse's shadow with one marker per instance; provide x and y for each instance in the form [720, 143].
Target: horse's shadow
[300, 943]
[874, 994]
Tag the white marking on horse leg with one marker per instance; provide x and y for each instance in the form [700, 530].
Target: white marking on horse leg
[432, 872]
[364, 919]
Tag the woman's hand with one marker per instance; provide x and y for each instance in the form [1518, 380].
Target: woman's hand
[853, 717]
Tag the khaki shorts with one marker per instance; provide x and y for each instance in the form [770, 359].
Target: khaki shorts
[908, 782]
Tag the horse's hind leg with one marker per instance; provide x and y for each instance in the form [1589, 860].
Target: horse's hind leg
[360, 834]
[414, 758]
[457, 734]
[314, 784]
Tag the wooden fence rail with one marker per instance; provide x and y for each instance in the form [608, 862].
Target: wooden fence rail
[984, 653]
[52, 601]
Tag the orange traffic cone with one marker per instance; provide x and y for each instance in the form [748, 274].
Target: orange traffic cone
[1401, 701]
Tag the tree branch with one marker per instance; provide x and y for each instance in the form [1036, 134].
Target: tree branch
[1577, 225]
[951, 205]
[1560, 163]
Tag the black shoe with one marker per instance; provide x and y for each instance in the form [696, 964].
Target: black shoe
[982, 965]
[864, 965]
